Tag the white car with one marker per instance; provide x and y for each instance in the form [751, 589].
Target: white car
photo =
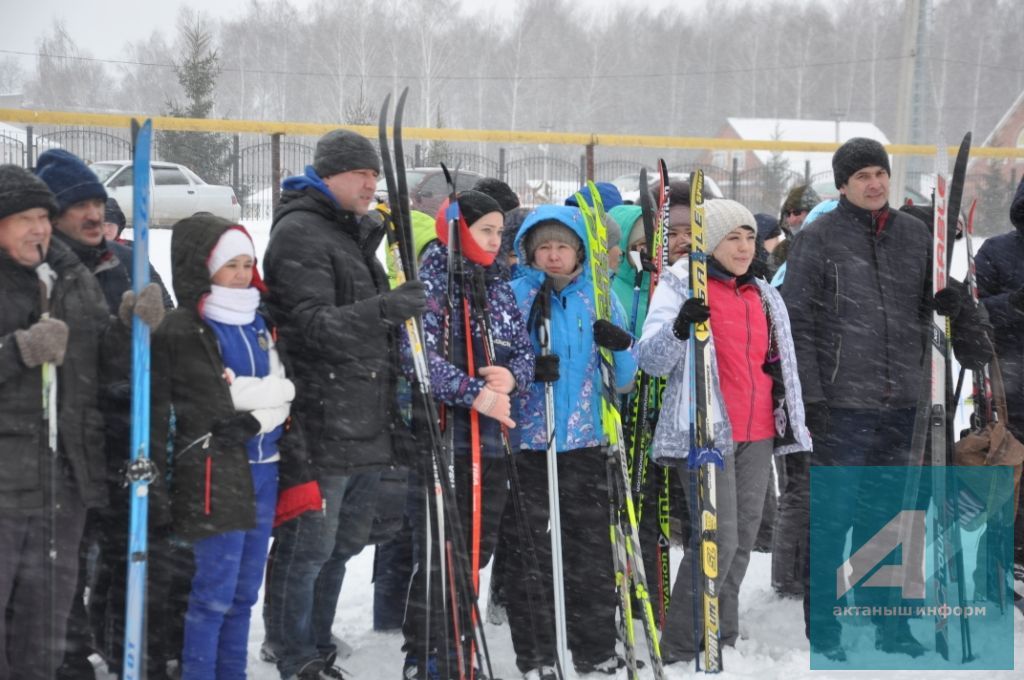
[177, 192]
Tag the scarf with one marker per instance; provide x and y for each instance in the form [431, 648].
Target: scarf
[235, 306]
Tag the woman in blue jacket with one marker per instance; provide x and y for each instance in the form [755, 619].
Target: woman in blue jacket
[552, 247]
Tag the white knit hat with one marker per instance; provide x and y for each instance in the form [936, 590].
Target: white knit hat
[233, 242]
[721, 216]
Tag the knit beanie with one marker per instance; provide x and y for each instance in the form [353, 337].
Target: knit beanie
[499, 191]
[114, 214]
[609, 193]
[342, 151]
[20, 190]
[767, 226]
[550, 230]
[70, 180]
[721, 216]
[232, 243]
[857, 153]
[475, 204]
[800, 198]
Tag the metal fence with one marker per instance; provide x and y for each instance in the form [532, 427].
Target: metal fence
[259, 162]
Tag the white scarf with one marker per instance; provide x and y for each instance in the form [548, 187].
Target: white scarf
[235, 306]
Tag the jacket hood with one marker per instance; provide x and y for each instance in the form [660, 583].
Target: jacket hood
[569, 216]
[193, 240]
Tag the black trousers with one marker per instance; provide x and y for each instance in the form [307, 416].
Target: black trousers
[587, 561]
[494, 492]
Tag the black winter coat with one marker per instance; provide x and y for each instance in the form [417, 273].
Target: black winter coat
[211, 484]
[860, 304]
[78, 301]
[325, 293]
[1000, 271]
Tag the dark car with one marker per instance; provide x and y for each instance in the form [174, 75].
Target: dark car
[428, 188]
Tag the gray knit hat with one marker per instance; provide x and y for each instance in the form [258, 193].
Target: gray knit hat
[857, 153]
[721, 216]
[342, 151]
[20, 190]
[551, 230]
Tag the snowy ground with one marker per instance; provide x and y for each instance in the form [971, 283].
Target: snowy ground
[772, 643]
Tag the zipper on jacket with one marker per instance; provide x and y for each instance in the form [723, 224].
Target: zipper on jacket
[209, 475]
[835, 303]
[750, 369]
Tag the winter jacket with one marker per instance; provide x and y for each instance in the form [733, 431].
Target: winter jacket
[999, 266]
[325, 293]
[211, 485]
[625, 278]
[578, 390]
[448, 378]
[94, 337]
[661, 353]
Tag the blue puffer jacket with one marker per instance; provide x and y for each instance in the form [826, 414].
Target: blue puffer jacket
[448, 378]
[1000, 271]
[578, 390]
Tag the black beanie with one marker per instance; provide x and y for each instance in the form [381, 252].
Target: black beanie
[475, 204]
[70, 180]
[342, 151]
[499, 191]
[767, 226]
[114, 214]
[20, 190]
[857, 153]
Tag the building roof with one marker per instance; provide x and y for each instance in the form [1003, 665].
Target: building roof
[796, 130]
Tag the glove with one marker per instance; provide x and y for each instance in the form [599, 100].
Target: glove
[494, 405]
[44, 341]
[404, 302]
[149, 306]
[269, 418]
[610, 336]
[498, 378]
[948, 301]
[545, 369]
[1016, 300]
[235, 430]
[693, 311]
[816, 417]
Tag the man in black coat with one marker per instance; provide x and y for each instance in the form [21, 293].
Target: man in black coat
[1000, 274]
[329, 295]
[859, 292]
[53, 320]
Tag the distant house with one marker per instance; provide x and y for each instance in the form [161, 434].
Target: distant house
[817, 166]
[1009, 131]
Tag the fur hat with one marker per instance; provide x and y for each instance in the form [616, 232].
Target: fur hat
[857, 153]
[343, 151]
[800, 198]
[20, 190]
[70, 180]
[721, 216]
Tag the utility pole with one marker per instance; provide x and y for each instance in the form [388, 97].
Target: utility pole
[911, 102]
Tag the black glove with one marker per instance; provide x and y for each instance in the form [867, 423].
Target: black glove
[404, 302]
[948, 301]
[545, 369]
[610, 336]
[234, 430]
[1016, 299]
[693, 311]
[816, 417]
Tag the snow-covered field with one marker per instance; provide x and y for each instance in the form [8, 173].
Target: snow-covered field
[772, 643]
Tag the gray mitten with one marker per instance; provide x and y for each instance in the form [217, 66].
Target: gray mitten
[44, 341]
[149, 306]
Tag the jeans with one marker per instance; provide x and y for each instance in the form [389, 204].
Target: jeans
[856, 437]
[229, 572]
[309, 566]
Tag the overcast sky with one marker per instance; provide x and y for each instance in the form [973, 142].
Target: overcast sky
[102, 27]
